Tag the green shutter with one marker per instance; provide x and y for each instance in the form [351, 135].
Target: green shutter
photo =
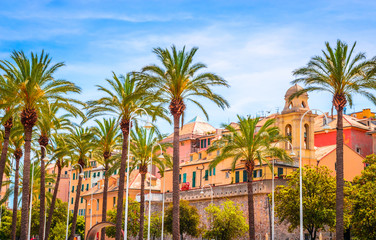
[82, 187]
[214, 171]
[87, 187]
[82, 199]
[236, 176]
[206, 175]
[94, 175]
[245, 176]
[72, 188]
[254, 173]
[210, 172]
[74, 176]
[184, 178]
[280, 171]
[179, 178]
[193, 179]
[72, 201]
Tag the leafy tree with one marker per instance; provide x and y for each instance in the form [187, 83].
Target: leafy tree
[189, 219]
[107, 137]
[177, 82]
[363, 220]
[319, 205]
[342, 74]
[6, 223]
[133, 219]
[155, 226]
[225, 222]
[125, 96]
[35, 83]
[249, 144]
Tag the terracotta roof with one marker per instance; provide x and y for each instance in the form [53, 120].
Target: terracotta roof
[196, 127]
[348, 121]
[323, 151]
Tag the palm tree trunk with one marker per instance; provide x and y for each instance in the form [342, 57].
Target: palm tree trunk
[76, 203]
[339, 176]
[251, 210]
[142, 207]
[175, 180]
[26, 184]
[42, 194]
[104, 208]
[53, 200]
[7, 127]
[15, 199]
[124, 154]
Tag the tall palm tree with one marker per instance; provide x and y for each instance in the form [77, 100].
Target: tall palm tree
[107, 138]
[342, 74]
[49, 121]
[7, 97]
[80, 142]
[125, 95]
[252, 145]
[177, 82]
[17, 142]
[61, 158]
[143, 147]
[36, 85]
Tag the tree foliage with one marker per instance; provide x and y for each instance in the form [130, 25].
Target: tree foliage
[363, 201]
[189, 219]
[133, 219]
[319, 201]
[225, 222]
[155, 226]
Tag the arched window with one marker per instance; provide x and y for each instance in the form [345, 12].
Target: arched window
[303, 104]
[290, 105]
[288, 133]
[306, 136]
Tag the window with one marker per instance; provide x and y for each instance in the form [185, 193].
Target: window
[82, 199]
[208, 141]
[115, 172]
[199, 156]
[254, 173]
[288, 134]
[237, 177]
[218, 152]
[66, 172]
[245, 176]
[190, 158]
[114, 198]
[87, 187]
[227, 174]
[72, 188]
[206, 177]
[203, 143]
[213, 171]
[358, 150]
[82, 187]
[85, 174]
[306, 136]
[94, 175]
[72, 201]
[179, 178]
[280, 171]
[210, 172]
[89, 173]
[194, 179]
[74, 176]
[184, 178]
[97, 204]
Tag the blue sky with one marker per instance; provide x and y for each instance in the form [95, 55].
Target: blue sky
[255, 45]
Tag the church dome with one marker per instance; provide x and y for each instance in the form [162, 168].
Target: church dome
[293, 90]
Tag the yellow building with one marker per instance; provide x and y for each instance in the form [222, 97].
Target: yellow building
[365, 113]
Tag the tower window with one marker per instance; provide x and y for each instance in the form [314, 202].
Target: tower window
[306, 136]
[288, 133]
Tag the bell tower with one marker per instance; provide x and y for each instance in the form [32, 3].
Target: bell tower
[289, 124]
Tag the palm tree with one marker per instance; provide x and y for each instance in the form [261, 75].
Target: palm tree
[17, 142]
[61, 154]
[48, 121]
[7, 94]
[80, 142]
[252, 145]
[177, 82]
[126, 94]
[342, 74]
[143, 147]
[107, 136]
[36, 85]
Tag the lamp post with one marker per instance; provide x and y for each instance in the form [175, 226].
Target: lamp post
[151, 165]
[211, 189]
[91, 210]
[31, 200]
[45, 159]
[291, 154]
[326, 128]
[147, 126]
[163, 202]
[81, 175]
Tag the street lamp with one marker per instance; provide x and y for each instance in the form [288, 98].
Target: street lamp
[45, 159]
[211, 189]
[81, 174]
[326, 128]
[163, 201]
[148, 125]
[151, 165]
[91, 210]
[291, 154]
[31, 200]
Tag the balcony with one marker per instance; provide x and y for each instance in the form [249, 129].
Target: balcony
[155, 197]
